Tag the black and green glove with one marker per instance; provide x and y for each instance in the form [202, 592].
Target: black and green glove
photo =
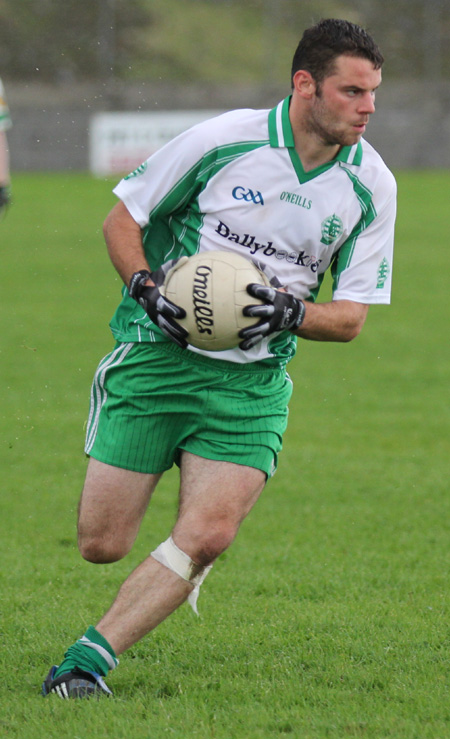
[161, 310]
[279, 311]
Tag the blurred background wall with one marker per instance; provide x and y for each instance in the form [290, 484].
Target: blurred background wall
[63, 62]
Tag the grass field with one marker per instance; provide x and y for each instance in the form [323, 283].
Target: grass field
[329, 616]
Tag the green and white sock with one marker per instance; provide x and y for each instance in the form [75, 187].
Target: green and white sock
[92, 653]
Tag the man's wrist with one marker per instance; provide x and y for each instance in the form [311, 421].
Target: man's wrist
[137, 282]
[301, 315]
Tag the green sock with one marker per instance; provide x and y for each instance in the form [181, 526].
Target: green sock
[91, 653]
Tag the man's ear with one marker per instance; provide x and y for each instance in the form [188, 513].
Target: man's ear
[304, 84]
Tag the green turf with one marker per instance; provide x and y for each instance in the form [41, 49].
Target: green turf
[329, 616]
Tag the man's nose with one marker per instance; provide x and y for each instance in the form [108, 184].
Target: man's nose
[367, 103]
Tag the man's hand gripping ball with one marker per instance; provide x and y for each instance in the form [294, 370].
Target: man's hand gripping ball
[161, 310]
[279, 311]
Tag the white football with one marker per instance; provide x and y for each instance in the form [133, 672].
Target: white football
[211, 287]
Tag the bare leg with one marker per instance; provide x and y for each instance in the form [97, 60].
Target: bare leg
[112, 506]
[214, 498]
[150, 594]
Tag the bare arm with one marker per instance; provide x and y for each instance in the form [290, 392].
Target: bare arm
[4, 161]
[124, 241]
[341, 320]
[123, 238]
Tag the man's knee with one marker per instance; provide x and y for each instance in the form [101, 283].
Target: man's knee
[209, 541]
[102, 549]
[112, 505]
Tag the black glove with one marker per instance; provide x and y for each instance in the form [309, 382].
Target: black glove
[280, 311]
[5, 197]
[161, 310]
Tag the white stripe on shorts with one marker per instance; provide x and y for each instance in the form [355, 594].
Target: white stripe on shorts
[98, 392]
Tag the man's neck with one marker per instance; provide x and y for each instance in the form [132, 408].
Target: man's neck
[313, 154]
[312, 150]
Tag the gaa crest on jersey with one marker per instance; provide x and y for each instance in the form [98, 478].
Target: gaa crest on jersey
[332, 228]
[250, 196]
[383, 273]
[139, 170]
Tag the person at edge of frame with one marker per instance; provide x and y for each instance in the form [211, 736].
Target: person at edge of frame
[298, 190]
[5, 176]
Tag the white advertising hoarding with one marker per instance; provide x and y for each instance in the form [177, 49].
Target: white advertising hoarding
[120, 142]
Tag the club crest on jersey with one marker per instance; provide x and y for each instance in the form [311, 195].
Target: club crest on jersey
[243, 193]
[332, 228]
[383, 273]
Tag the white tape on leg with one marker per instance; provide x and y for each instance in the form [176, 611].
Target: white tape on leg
[169, 555]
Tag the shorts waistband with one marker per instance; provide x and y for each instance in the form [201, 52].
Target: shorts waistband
[186, 355]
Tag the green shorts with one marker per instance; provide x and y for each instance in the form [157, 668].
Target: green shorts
[150, 401]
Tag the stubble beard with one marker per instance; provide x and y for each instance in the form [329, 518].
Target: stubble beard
[321, 126]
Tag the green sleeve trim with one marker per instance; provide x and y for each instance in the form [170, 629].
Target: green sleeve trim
[343, 258]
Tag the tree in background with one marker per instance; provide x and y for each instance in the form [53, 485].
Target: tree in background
[69, 40]
[205, 40]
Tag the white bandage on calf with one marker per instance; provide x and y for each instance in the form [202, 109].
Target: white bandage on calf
[169, 555]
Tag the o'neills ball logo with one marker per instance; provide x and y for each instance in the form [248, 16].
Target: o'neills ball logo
[201, 300]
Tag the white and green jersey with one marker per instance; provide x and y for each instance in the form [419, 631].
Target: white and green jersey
[5, 119]
[236, 183]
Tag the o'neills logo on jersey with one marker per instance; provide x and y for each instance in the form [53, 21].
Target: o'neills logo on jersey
[201, 301]
[301, 259]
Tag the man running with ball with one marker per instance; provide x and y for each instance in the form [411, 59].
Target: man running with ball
[298, 190]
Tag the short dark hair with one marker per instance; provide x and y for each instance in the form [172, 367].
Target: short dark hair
[321, 44]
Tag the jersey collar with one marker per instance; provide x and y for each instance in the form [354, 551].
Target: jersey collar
[281, 136]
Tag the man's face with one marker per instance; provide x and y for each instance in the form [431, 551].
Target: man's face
[341, 107]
